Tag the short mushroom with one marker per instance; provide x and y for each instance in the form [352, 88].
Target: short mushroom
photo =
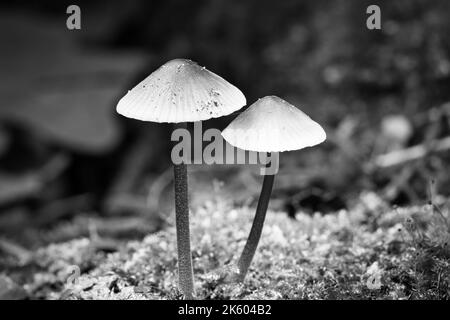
[269, 125]
[181, 91]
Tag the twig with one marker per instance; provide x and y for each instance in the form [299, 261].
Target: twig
[133, 164]
[399, 157]
[15, 250]
[60, 209]
[157, 188]
[140, 155]
[17, 188]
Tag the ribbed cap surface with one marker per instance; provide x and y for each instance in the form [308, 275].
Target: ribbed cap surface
[273, 125]
[181, 91]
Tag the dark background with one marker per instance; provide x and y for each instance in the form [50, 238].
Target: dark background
[65, 153]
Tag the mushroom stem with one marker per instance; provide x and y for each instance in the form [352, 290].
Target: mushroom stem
[257, 226]
[185, 273]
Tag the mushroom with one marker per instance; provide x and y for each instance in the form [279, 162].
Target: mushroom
[181, 91]
[269, 125]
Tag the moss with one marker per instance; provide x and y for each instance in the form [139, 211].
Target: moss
[336, 256]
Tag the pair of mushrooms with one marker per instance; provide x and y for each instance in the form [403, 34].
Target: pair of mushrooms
[181, 91]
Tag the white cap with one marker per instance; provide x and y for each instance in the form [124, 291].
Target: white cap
[273, 125]
[181, 91]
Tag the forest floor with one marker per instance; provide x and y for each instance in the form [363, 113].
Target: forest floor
[368, 252]
[381, 96]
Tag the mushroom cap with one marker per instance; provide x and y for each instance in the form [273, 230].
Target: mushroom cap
[181, 91]
[273, 125]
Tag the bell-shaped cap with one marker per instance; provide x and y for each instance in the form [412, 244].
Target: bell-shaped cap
[181, 91]
[273, 125]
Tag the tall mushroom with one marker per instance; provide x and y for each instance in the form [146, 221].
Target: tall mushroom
[269, 125]
[181, 91]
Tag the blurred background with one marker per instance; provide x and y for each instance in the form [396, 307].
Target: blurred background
[71, 166]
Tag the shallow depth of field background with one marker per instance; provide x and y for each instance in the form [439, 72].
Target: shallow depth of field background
[70, 167]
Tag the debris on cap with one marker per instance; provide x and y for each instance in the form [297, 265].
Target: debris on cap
[181, 91]
[273, 125]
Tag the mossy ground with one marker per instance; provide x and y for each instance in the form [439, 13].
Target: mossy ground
[369, 252]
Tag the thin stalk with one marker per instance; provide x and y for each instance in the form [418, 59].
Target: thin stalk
[185, 272]
[257, 227]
